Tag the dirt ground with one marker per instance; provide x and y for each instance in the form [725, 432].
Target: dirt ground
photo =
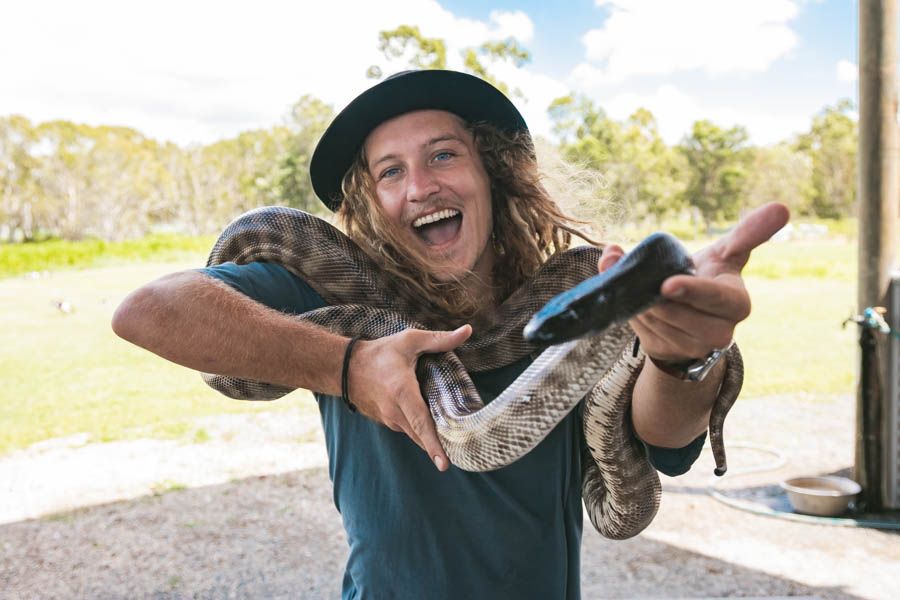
[249, 514]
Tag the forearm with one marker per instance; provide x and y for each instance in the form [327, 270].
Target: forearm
[671, 413]
[201, 323]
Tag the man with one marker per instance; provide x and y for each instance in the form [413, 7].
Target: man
[433, 174]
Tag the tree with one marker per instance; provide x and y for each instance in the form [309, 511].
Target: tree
[831, 145]
[407, 41]
[18, 190]
[641, 170]
[654, 174]
[587, 135]
[308, 120]
[231, 176]
[420, 52]
[508, 50]
[716, 170]
[780, 174]
[69, 180]
[93, 181]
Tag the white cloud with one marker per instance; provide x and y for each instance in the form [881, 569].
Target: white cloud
[847, 72]
[202, 70]
[513, 24]
[676, 112]
[653, 37]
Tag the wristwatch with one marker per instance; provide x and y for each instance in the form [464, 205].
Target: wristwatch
[692, 369]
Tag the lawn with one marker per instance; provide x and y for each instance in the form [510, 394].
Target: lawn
[794, 341]
[57, 254]
[64, 374]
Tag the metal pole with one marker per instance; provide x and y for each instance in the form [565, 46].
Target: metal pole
[879, 196]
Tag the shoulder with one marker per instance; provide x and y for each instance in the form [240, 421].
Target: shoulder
[268, 283]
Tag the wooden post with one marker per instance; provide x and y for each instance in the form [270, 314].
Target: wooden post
[879, 197]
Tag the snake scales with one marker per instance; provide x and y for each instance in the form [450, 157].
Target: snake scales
[620, 489]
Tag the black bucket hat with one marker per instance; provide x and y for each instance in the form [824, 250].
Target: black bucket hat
[471, 98]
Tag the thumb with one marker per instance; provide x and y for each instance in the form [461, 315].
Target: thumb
[610, 256]
[444, 341]
[753, 230]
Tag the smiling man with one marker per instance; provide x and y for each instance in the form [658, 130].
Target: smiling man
[431, 185]
[433, 174]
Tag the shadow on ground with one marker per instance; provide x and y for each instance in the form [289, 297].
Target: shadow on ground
[280, 537]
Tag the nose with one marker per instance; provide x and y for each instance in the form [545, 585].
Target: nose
[421, 184]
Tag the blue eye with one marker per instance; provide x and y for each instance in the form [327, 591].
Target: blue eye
[442, 156]
[390, 172]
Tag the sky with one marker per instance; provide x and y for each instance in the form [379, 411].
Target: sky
[194, 71]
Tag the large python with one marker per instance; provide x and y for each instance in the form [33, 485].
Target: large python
[620, 489]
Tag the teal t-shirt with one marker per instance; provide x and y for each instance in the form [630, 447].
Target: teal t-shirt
[415, 532]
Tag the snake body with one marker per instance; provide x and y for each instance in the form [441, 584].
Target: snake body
[621, 489]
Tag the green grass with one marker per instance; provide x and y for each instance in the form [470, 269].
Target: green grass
[56, 254]
[833, 260]
[64, 374]
[794, 342]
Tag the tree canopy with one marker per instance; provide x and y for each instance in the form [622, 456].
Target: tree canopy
[69, 180]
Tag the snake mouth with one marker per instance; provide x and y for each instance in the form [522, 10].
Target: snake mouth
[440, 228]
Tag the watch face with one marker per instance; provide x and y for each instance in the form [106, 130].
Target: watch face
[691, 370]
[701, 368]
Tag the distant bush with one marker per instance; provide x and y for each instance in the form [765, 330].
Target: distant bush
[16, 259]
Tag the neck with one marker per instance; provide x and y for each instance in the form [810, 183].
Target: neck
[481, 286]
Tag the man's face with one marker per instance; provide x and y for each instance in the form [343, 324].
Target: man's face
[430, 181]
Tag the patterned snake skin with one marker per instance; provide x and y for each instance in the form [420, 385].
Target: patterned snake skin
[621, 489]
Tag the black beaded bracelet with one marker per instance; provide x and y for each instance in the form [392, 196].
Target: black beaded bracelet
[345, 375]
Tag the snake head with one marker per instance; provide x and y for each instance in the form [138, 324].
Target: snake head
[563, 317]
[628, 287]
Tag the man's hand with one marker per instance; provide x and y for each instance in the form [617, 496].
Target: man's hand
[383, 383]
[701, 311]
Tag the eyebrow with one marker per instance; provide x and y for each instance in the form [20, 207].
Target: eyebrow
[447, 137]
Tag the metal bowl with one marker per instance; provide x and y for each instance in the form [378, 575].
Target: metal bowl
[826, 496]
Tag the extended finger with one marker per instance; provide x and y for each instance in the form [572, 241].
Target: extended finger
[752, 231]
[419, 419]
[723, 296]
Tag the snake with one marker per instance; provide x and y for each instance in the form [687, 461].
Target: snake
[591, 367]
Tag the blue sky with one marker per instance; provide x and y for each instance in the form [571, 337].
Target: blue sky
[203, 70]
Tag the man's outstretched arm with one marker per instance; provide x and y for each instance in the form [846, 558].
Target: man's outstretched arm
[202, 323]
[699, 314]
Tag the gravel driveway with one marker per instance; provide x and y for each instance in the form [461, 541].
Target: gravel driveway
[211, 520]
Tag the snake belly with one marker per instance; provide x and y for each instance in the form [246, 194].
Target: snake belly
[620, 487]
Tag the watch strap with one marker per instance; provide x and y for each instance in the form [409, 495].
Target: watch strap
[692, 369]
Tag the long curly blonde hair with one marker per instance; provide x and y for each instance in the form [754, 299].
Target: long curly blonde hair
[528, 228]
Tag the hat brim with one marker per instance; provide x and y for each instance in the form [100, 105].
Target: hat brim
[471, 98]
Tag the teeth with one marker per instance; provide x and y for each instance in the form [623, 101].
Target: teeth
[441, 214]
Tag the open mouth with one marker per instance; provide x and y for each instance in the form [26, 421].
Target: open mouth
[439, 227]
